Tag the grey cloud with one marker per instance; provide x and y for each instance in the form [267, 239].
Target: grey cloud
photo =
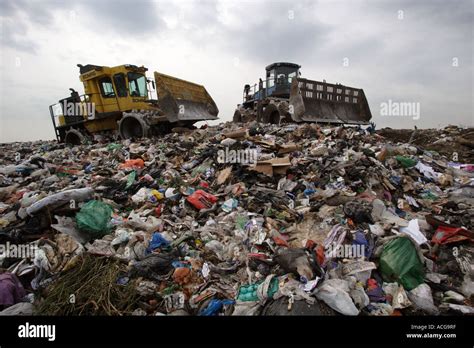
[17, 14]
[123, 17]
[276, 36]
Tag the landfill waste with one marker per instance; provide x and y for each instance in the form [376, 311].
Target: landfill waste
[326, 221]
[400, 261]
[94, 217]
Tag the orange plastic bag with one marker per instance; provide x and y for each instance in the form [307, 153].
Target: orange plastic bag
[133, 164]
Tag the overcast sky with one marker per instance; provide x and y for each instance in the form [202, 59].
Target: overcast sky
[395, 50]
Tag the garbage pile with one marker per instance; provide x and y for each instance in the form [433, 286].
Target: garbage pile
[451, 141]
[236, 219]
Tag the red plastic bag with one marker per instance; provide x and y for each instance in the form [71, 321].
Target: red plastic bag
[446, 235]
[201, 199]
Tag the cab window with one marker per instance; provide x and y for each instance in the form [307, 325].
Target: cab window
[136, 84]
[106, 87]
[291, 75]
[270, 78]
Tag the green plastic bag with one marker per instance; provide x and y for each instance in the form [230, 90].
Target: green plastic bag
[399, 262]
[406, 162]
[94, 218]
[131, 179]
[113, 146]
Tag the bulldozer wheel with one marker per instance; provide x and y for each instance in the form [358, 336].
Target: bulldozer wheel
[237, 116]
[271, 114]
[74, 137]
[133, 126]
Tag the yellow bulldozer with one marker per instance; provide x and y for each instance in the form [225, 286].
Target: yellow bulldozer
[119, 102]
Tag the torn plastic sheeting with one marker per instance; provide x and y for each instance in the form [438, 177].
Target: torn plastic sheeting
[336, 297]
[413, 230]
[58, 199]
[423, 299]
[215, 306]
[427, 171]
[447, 235]
[94, 218]
[399, 261]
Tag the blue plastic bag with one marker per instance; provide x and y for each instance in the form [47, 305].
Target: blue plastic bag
[214, 307]
[157, 241]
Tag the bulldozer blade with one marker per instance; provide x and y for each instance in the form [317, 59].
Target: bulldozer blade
[314, 101]
[181, 100]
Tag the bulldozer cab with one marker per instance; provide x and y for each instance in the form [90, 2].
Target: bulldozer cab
[277, 83]
[278, 79]
[115, 89]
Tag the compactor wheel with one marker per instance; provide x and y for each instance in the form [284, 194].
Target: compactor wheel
[74, 137]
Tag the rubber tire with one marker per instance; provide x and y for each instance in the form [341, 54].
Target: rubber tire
[73, 137]
[271, 114]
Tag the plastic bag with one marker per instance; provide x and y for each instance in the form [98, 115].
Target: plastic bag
[94, 218]
[133, 164]
[202, 200]
[406, 162]
[114, 146]
[131, 179]
[423, 299]
[215, 307]
[333, 292]
[399, 262]
[413, 230]
[229, 205]
[398, 295]
[157, 241]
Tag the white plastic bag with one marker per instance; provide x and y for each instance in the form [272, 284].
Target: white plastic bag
[333, 292]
